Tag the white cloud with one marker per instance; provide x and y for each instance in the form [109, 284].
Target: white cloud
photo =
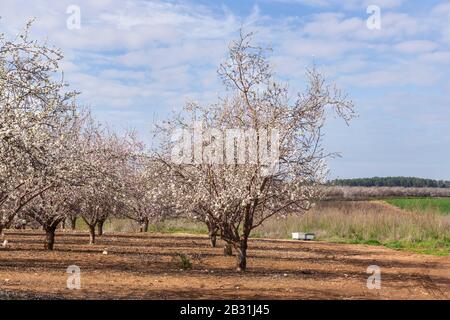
[437, 57]
[346, 4]
[441, 9]
[312, 3]
[130, 53]
[446, 33]
[416, 46]
[385, 4]
[312, 48]
[123, 75]
[411, 73]
[134, 58]
[441, 17]
[337, 25]
[333, 25]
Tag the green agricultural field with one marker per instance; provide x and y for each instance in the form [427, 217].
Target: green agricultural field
[438, 205]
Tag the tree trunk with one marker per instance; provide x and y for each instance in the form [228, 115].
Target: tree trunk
[92, 234]
[241, 255]
[49, 238]
[100, 227]
[73, 223]
[212, 232]
[228, 250]
[213, 239]
[144, 226]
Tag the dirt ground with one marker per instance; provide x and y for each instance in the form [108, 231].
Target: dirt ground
[145, 267]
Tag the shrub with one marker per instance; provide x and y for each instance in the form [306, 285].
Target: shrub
[184, 261]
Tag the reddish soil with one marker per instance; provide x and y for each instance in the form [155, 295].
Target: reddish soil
[146, 267]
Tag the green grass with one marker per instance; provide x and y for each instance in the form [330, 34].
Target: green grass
[438, 205]
[179, 226]
[111, 225]
[168, 226]
[433, 247]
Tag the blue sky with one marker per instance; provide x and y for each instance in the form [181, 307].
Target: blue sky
[134, 61]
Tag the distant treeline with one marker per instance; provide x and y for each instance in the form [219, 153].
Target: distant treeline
[408, 182]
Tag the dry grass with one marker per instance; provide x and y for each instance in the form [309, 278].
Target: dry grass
[371, 222]
[366, 222]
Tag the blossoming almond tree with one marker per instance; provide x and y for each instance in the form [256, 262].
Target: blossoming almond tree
[148, 192]
[64, 171]
[108, 156]
[235, 195]
[49, 209]
[34, 110]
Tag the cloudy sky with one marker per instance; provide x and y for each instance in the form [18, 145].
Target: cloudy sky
[136, 60]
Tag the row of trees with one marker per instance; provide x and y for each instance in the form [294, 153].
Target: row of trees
[58, 164]
[407, 182]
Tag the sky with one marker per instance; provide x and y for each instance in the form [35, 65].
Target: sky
[136, 60]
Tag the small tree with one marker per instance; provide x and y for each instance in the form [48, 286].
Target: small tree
[236, 195]
[72, 217]
[49, 209]
[96, 207]
[147, 192]
[107, 156]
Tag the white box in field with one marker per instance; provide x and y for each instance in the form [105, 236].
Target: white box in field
[302, 236]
